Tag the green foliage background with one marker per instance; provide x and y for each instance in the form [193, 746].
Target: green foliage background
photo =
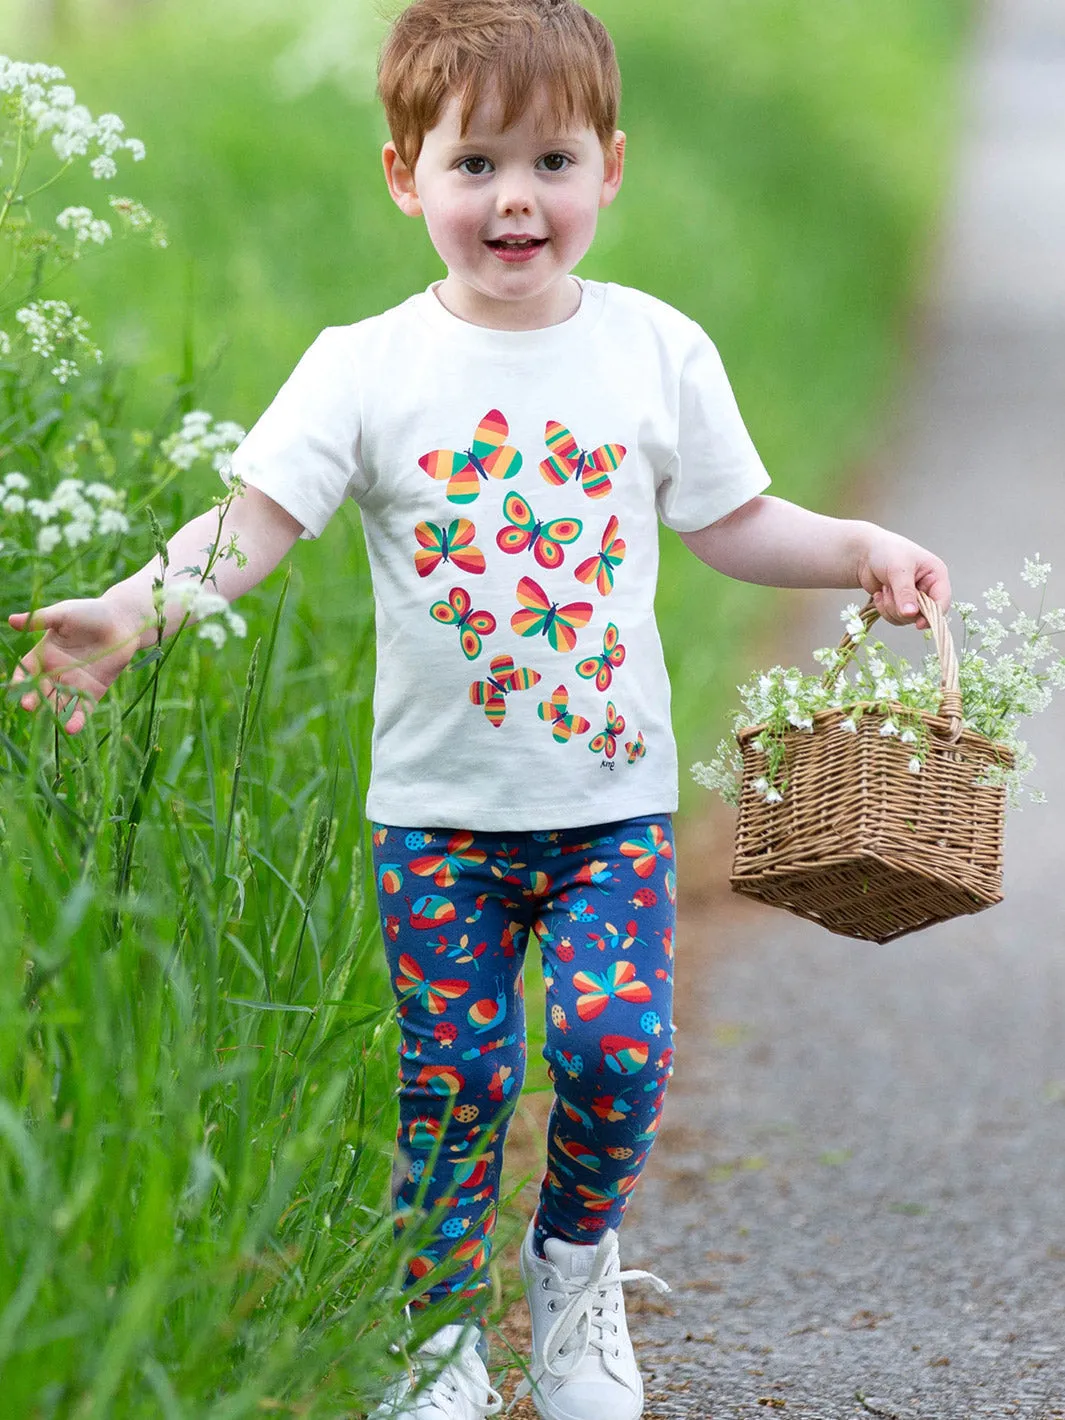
[195, 1074]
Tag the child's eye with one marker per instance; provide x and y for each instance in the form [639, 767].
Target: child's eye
[555, 162]
[475, 166]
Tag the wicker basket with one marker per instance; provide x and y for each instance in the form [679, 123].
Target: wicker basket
[861, 844]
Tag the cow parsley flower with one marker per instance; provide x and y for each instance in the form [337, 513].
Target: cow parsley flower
[85, 227]
[1006, 673]
[201, 438]
[209, 608]
[50, 107]
[52, 326]
[1035, 573]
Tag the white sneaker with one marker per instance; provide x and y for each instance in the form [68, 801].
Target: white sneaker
[459, 1389]
[582, 1365]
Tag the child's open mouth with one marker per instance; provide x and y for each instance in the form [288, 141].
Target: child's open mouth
[516, 248]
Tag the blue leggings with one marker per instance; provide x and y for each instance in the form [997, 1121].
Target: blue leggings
[458, 909]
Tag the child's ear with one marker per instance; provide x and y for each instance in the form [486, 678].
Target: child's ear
[400, 179]
[613, 169]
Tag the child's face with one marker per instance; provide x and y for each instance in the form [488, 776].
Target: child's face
[510, 212]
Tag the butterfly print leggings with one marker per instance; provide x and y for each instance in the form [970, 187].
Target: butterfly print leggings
[458, 910]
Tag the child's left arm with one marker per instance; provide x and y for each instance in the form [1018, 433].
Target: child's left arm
[779, 544]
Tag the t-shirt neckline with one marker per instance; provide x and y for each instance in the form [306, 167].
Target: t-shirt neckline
[433, 311]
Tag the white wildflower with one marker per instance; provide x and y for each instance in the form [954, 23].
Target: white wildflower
[104, 493]
[48, 538]
[1035, 572]
[52, 324]
[66, 370]
[1056, 675]
[889, 728]
[850, 725]
[84, 225]
[111, 520]
[195, 598]
[994, 633]
[138, 219]
[760, 785]
[197, 439]
[774, 796]
[5, 343]
[42, 509]
[16, 482]
[236, 623]
[908, 737]
[914, 765]
[77, 532]
[104, 167]
[214, 632]
[13, 503]
[997, 598]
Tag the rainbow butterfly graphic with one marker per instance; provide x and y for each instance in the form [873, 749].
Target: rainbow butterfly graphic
[606, 741]
[556, 712]
[503, 677]
[539, 616]
[600, 568]
[635, 749]
[444, 868]
[568, 460]
[601, 668]
[433, 995]
[646, 850]
[623, 1055]
[546, 538]
[489, 457]
[472, 625]
[597, 988]
[453, 544]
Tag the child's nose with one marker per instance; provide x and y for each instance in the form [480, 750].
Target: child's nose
[513, 199]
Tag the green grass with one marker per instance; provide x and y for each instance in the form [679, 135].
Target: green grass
[195, 1054]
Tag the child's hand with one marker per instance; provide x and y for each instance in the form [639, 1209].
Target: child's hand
[893, 569]
[87, 643]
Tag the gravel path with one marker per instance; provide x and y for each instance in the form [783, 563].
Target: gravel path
[858, 1195]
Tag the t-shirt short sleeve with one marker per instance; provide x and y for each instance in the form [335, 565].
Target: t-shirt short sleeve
[303, 451]
[716, 467]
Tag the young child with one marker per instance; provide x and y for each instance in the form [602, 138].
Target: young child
[512, 437]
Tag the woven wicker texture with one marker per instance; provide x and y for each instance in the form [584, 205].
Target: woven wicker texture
[861, 844]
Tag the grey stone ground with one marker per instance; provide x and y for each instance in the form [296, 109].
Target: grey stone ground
[858, 1195]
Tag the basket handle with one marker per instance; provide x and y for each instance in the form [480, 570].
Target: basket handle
[949, 683]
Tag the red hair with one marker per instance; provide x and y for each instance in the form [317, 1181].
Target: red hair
[440, 48]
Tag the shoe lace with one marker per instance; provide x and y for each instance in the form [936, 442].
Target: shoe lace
[462, 1379]
[589, 1313]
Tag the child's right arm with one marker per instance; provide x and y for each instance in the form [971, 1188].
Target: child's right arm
[89, 641]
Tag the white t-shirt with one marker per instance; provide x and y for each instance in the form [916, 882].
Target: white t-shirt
[510, 484]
